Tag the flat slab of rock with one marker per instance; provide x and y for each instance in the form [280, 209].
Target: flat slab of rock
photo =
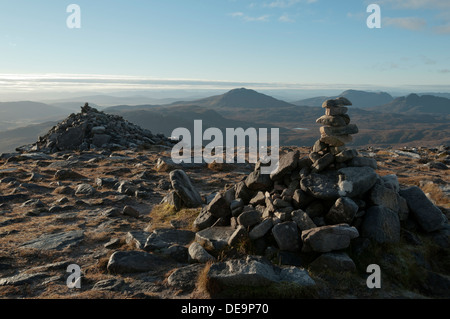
[321, 186]
[254, 272]
[21, 279]
[214, 238]
[328, 238]
[429, 217]
[356, 181]
[55, 241]
[122, 262]
[164, 238]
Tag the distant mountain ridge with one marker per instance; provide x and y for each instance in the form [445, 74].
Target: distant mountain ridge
[238, 98]
[414, 103]
[359, 99]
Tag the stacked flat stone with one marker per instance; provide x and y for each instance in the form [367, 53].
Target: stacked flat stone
[336, 132]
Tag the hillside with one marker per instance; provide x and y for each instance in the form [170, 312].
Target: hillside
[238, 98]
[360, 99]
[414, 103]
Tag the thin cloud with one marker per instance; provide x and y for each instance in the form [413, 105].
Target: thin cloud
[286, 3]
[286, 18]
[241, 15]
[408, 23]
[417, 4]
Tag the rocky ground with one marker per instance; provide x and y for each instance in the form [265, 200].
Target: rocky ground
[102, 211]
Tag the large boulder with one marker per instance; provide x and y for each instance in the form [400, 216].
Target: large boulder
[287, 163]
[343, 211]
[328, 238]
[122, 262]
[182, 185]
[355, 181]
[381, 225]
[214, 238]
[429, 217]
[322, 186]
[287, 236]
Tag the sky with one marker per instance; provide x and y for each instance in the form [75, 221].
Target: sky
[208, 44]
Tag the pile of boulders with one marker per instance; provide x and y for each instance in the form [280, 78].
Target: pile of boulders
[91, 129]
[322, 203]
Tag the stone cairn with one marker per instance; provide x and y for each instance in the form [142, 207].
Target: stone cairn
[91, 129]
[323, 203]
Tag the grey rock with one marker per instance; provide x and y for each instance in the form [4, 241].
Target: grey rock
[185, 278]
[335, 261]
[256, 272]
[338, 120]
[247, 272]
[302, 219]
[323, 162]
[258, 199]
[296, 276]
[429, 217]
[100, 140]
[301, 200]
[249, 218]
[130, 211]
[261, 229]
[122, 262]
[320, 186]
[346, 155]
[126, 187]
[219, 206]
[338, 102]
[391, 181]
[242, 192]
[214, 238]
[350, 129]
[64, 174]
[363, 161]
[328, 238]
[111, 212]
[72, 138]
[258, 182]
[56, 241]
[21, 279]
[204, 220]
[199, 254]
[342, 212]
[239, 234]
[184, 188]
[287, 163]
[164, 238]
[110, 284]
[172, 199]
[355, 181]
[287, 236]
[85, 189]
[34, 203]
[383, 196]
[137, 238]
[381, 225]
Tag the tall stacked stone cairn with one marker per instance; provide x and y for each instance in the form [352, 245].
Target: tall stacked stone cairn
[322, 204]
